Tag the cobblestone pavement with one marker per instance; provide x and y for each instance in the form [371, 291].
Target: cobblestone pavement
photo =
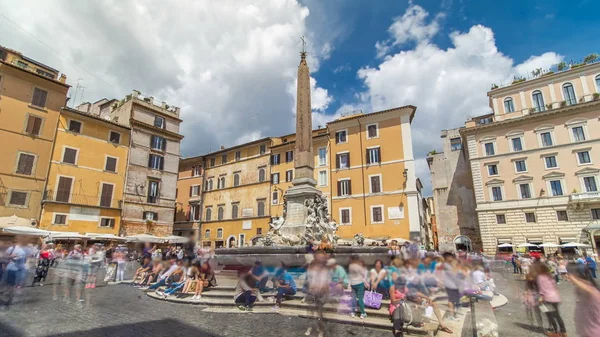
[120, 310]
[511, 318]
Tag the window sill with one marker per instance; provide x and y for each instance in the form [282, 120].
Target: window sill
[60, 224]
[377, 223]
[38, 108]
[552, 168]
[106, 171]
[32, 135]
[375, 137]
[23, 174]
[17, 206]
[585, 164]
[70, 164]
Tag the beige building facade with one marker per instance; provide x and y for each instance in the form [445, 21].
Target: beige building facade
[535, 160]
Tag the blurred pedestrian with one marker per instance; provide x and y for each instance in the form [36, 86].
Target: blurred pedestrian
[587, 310]
[358, 282]
[549, 299]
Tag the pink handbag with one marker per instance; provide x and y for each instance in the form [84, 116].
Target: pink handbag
[373, 299]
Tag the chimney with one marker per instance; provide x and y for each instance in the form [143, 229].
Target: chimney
[63, 78]
[135, 93]
[222, 147]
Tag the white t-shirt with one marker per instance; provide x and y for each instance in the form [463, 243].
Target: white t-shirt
[169, 271]
[478, 277]
[376, 275]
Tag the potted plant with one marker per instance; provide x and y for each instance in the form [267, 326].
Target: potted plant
[549, 72]
[590, 58]
[596, 96]
[128, 97]
[531, 110]
[562, 66]
[494, 86]
[548, 106]
[147, 99]
[577, 65]
[563, 104]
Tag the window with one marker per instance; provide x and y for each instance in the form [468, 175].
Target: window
[275, 178]
[289, 156]
[70, 156]
[525, 191]
[220, 233]
[345, 216]
[236, 179]
[234, 211]
[75, 126]
[517, 144]
[111, 164]
[107, 222]
[569, 94]
[595, 213]
[546, 138]
[322, 156]
[261, 208]
[455, 144]
[538, 101]
[39, 97]
[45, 73]
[213, 162]
[496, 193]
[590, 184]
[342, 160]
[261, 174]
[208, 215]
[207, 234]
[194, 190]
[492, 170]
[151, 216]
[344, 187]
[289, 175]
[375, 184]
[220, 213]
[18, 198]
[59, 219]
[500, 219]
[578, 134]
[598, 83]
[196, 171]
[275, 198]
[562, 216]
[275, 159]
[556, 188]
[340, 137]
[509, 105]
[489, 149]
[153, 187]
[263, 149]
[63, 190]
[34, 125]
[259, 231]
[208, 184]
[376, 214]
[194, 214]
[373, 156]
[158, 143]
[25, 164]
[530, 217]
[22, 64]
[106, 194]
[114, 137]
[550, 162]
[520, 166]
[583, 157]
[242, 240]
[322, 178]
[224, 159]
[372, 131]
[159, 122]
[156, 162]
[238, 155]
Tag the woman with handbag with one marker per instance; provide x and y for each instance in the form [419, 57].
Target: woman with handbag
[549, 299]
[358, 282]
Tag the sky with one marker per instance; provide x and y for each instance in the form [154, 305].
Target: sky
[230, 65]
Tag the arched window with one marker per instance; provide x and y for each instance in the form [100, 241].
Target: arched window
[463, 243]
[598, 83]
[208, 214]
[261, 208]
[569, 94]
[210, 185]
[538, 101]
[509, 105]
[234, 211]
[261, 175]
[221, 183]
[207, 234]
[220, 212]
[236, 179]
[220, 233]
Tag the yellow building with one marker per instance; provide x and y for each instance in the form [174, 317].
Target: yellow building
[364, 165]
[31, 95]
[84, 191]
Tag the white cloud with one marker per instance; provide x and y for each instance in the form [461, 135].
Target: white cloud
[227, 64]
[536, 62]
[446, 85]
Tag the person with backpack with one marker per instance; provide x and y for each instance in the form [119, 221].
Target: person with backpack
[591, 264]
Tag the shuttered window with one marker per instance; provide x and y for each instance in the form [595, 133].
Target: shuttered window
[70, 156]
[375, 184]
[34, 125]
[111, 164]
[107, 222]
[373, 155]
[39, 98]
[18, 198]
[345, 216]
[75, 126]
[25, 164]
[344, 187]
[106, 195]
[63, 192]
[114, 137]
[377, 214]
[342, 160]
[156, 162]
[158, 143]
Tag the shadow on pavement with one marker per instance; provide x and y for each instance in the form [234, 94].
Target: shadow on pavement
[529, 327]
[9, 331]
[165, 327]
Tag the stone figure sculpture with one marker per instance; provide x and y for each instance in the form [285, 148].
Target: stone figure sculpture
[359, 240]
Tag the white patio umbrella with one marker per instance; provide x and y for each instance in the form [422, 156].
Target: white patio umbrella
[505, 245]
[105, 237]
[22, 230]
[13, 221]
[176, 239]
[527, 244]
[574, 245]
[67, 236]
[145, 238]
[549, 245]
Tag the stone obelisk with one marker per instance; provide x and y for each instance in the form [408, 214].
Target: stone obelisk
[303, 184]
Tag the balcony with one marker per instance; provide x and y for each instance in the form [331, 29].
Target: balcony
[80, 199]
[587, 197]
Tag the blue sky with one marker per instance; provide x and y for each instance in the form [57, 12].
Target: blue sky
[230, 65]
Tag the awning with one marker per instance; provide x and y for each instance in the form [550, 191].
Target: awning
[504, 240]
[21, 230]
[594, 225]
[145, 238]
[176, 239]
[565, 239]
[535, 239]
[14, 221]
[105, 237]
[67, 236]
